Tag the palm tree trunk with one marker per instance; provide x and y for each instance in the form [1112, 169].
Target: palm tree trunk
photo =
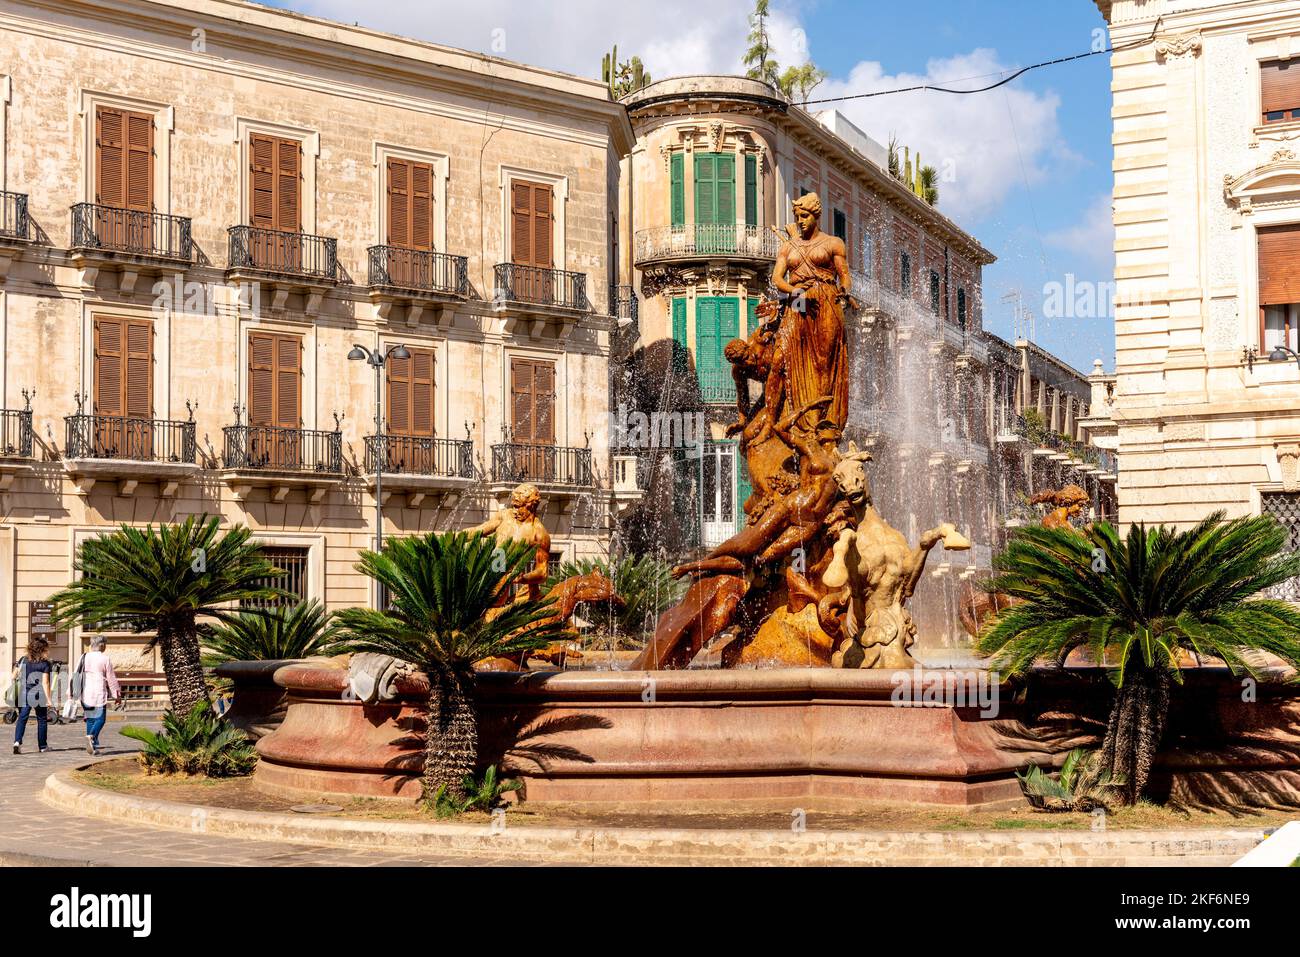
[1135, 728]
[181, 665]
[451, 739]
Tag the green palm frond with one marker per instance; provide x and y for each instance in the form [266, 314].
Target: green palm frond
[645, 584]
[304, 630]
[195, 742]
[1149, 598]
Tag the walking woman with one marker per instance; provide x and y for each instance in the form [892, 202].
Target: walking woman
[33, 676]
[98, 683]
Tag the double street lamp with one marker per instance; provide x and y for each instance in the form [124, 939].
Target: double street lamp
[378, 361]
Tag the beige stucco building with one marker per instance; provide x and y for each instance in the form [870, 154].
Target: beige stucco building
[208, 203]
[1207, 217]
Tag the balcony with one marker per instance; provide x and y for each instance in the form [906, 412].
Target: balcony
[15, 226]
[418, 279]
[288, 262]
[130, 242]
[534, 297]
[129, 450]
[16, 444]
[705, 241]
[281, 459]
[624, 305]
[553, 468]
[420, 466]
[717, 387]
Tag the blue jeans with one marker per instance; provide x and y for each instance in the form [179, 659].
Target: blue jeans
[95, 718]
[42, 727]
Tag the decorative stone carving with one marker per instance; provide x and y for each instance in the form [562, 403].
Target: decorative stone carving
[1177, 47]
[715, 136]
[1288, 458]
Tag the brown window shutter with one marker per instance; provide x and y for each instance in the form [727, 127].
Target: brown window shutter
[542, 255]
[1280, 85]
[399, 396]
[108, 367]
[288, 186]
[137, 396]
[139, 162]
[421, 205]
[544, 403]
[399, 203]
[1279, 265]
[521, 400]
[288, 380]
[261, 178]
[110, 157]
[261, 379]
[422, 363]
[521, 223]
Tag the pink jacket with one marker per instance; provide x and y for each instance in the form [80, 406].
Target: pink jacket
[97, 680]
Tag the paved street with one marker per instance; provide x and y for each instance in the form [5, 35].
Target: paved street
[31, 829]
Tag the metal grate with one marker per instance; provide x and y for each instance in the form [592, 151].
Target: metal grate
[292, 560]
[1285, 507]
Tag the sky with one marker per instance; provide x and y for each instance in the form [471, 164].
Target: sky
[1025, 168]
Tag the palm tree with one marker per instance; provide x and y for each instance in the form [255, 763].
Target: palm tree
[1143, 606]
[163, 581]
[449, 606]
[758, 57]
[304, 630]
[928, 183]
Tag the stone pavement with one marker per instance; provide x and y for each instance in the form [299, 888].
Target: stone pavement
[33, 832]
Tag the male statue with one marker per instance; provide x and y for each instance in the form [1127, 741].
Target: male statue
[519, 523]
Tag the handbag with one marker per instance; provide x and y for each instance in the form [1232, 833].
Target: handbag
[11, 693]
[74, 692]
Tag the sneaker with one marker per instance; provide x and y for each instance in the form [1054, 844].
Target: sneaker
[90, 745]
[43, 750]
[18, 748]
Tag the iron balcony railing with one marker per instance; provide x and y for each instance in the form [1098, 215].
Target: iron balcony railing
[14, 223]
[623, 303]
[418, 269]
[16, 433]
[124, 437]
[705, 240]
[717, 387]
[548, 464]
[543, 287]
[290, 254]
[280, 449]
[420, 455]
[133, 231]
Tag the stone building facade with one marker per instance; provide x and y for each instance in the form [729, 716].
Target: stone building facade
[207, 204]
[1207, 216]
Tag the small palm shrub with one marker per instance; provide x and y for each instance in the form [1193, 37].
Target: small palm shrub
[478, 795]
[1082, 785]
[195, 743]
[645, 584]
[305, 630]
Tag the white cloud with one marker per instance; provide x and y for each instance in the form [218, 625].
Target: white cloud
[1091, 240]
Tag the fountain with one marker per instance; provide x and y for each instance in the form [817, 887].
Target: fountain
[805, 609]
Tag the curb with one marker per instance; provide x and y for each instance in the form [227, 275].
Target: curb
[651, 846]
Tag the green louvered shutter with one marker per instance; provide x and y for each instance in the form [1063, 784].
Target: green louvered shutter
[744, 489]
[680, 353]
[715, 201]
[708, 350]
[751, 189]
[677, 173]
[751, 315]
[728, 324]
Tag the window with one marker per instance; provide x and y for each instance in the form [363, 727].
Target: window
[715, 202]
[1285, 507]
[867, 252]
[123, 373]
[681, 353]
[123, 159]
[717, 322]
[532, 401]
[961, 309]
[410, 394]
[292, 560]
[677, 177]
[840, 224]
[905, 273]
[275, 183]
[410, 204]
[1279, 286]
[274, 399]
[934, 292]
[717, 492]
[1280, 86]
[751, 189]
[531, 224]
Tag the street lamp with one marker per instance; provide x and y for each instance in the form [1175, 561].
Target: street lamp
[1282, 354]
[377, 361]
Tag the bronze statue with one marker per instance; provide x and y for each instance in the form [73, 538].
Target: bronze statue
[519, 523]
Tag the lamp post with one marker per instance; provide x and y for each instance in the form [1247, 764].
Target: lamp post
[1282, 354]
[378, 360]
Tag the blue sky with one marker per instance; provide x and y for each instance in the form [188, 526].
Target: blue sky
[1028, 165]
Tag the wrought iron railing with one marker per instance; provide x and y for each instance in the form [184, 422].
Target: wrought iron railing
[704, 240]
[545, 287]
[280, 449]
[548, 464]
[124, 437]
[14, 223]
[623, 303]
[418, 269]
[717, 387]
[134, 231]
[16, 433]
[420, 455]
[293, 254]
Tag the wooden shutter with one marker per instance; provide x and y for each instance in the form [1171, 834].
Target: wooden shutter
[421, 206]
[708, 349]
[399, 203]
[123, 159]
[288, 381]
[543, 256]
[1279, 265]
[261, 379]
[706, 189]
[679, 321]
[751, 189]
[410, 394]
[138, 187]
[530, 224]
[726, 193]
[677, 176]
[123, 370]
[751, 315]
[275, 183]
[532, 401]
[1280, 84]
[521, 400]
[274, 380]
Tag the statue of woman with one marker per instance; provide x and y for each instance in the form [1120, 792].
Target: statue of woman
[810, 360]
